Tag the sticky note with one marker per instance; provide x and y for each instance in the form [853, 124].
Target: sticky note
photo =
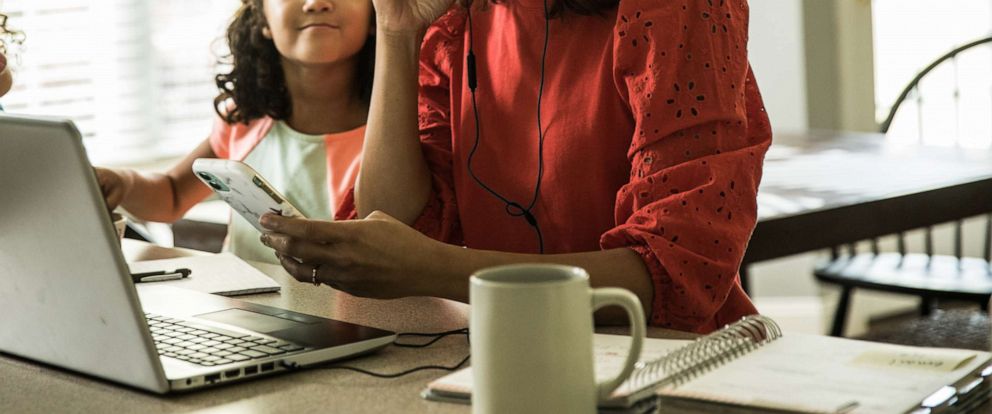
[915, 358]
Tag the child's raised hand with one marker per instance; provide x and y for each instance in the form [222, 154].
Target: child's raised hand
[408, 16]
[114, 186]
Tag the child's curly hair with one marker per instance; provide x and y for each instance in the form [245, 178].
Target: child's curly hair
[256, 84]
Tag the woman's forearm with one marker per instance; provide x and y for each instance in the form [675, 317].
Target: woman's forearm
[394, 177]
[621, 268]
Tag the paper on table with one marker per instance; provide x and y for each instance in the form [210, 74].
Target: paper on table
[807, 373]
[610, 352]
[221, 274]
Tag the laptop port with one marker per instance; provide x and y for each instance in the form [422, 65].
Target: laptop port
[268, 366]
[212, 378]
[252, 370]
[232, 373]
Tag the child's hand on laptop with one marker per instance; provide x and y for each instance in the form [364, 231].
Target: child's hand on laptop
[113, 185]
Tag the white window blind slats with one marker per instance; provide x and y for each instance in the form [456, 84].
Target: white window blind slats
[135, 75]
[908, 35]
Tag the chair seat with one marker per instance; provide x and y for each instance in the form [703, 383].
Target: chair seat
[937, 276]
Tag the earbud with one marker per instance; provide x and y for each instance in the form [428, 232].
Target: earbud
[470, 63]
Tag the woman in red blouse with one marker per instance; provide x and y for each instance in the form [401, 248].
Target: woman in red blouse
[654, 136]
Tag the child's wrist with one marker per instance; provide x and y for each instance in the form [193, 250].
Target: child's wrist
[400, 37]
[128, 178]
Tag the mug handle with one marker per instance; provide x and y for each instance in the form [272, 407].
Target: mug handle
[624, 298]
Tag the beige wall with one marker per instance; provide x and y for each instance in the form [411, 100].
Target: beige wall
[839, 64]
[776, 53]
[814, 63]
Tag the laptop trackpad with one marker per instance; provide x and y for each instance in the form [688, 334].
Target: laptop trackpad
[250, 320]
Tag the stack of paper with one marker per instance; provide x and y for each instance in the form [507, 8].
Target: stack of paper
[221, 274]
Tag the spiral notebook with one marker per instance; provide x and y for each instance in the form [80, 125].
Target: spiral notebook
[750, 366]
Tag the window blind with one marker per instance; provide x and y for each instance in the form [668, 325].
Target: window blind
[955, 100]
[135, 75]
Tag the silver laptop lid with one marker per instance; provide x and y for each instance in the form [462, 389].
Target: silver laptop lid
[65, 294]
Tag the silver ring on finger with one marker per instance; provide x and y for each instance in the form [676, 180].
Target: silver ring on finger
[313, 275]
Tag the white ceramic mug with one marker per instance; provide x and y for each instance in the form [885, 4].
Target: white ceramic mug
[531, 331]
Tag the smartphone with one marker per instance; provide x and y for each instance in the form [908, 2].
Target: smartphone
[243, 189]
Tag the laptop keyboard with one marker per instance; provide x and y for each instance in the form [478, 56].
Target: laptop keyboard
[208, 345]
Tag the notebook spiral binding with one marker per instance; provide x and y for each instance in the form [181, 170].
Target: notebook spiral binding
[706, 353]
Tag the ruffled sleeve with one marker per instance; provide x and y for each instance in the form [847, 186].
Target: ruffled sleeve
[442, 41]
[220, 138]
[696, 155]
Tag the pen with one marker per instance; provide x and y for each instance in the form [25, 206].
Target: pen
[160, 276]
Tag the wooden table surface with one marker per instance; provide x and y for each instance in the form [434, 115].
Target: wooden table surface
[825, 188]
[27, 387]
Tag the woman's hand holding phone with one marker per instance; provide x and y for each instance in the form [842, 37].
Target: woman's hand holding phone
[377, 257]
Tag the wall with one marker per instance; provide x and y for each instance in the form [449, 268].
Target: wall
[777, 57]
[839, 64]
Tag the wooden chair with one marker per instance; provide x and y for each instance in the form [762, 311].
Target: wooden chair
[927, 275]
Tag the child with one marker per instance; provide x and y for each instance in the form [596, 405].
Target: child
[293, 107]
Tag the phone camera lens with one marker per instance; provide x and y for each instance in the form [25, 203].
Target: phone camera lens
[205, 176]
[216, 186]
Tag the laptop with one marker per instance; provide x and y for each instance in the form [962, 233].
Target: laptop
[67, 298]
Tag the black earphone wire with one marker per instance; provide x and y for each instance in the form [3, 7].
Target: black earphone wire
[437, 336]
[512, 207]
[402, 373]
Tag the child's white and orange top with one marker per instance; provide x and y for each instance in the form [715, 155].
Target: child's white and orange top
[315, 172]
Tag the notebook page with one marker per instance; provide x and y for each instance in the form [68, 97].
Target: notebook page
[810, 373]
[609, 352]
[221, 274]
